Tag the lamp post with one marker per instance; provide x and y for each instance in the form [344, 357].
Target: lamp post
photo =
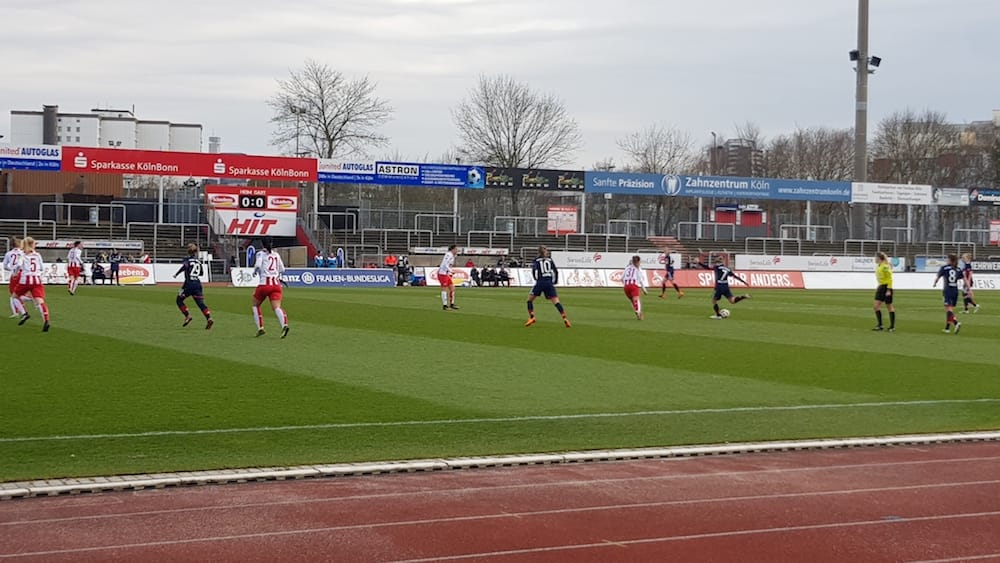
[298, 111]
[861, 57]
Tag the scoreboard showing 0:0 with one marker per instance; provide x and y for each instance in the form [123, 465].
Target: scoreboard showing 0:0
[253, 202]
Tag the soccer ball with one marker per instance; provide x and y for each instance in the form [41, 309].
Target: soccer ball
[724, 313]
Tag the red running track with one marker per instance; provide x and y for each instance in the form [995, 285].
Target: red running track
[933, 503]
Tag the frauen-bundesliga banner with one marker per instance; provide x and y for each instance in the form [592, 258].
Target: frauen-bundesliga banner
[192, 164]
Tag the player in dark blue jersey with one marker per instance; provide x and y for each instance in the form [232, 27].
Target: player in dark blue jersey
[722, 275]
[668, 264]
[193, 269]
[952, 276]
[546, 276]
[967, 294]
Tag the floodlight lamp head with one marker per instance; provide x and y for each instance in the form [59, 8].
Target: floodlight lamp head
[875, 61]
[854, 54]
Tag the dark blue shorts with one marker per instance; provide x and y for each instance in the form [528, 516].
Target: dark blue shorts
[546, 288]
[191, 289]
[951, 297]
[670, 274]
[722, 291]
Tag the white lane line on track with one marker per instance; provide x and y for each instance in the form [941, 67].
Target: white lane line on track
[452, 421]
[329, 529]
[579, 482]
[995, 556]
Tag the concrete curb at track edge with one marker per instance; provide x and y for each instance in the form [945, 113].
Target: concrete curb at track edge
[74, 486]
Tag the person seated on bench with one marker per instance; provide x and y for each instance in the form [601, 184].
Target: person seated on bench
[97, 274]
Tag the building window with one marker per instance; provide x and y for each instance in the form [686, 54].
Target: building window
[78, 139]
[77, 129]
[59, 138]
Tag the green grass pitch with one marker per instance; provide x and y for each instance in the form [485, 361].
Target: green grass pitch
[118, 386]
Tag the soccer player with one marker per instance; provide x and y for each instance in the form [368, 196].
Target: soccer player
[12, 264]
[968, 297]
[546, 275]
[883, 294]
[268, 269]
[952, 275]
[669, 277]
[31, 283]
[722, 275]
[444, 277]
[193, 268]
[634, 281]
[74, 266]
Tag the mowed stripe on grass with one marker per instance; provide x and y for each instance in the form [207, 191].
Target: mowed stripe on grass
[118, 362]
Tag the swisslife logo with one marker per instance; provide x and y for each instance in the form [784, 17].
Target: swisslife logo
[597, 257]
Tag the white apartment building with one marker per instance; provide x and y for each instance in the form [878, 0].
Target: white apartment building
[106, 128]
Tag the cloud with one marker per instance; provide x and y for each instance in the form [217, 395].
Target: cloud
[618, 66]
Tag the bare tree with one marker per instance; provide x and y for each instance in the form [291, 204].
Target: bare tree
[660, 149]
[909, 145]
[818, 153]
[506, 123]
[317, 110]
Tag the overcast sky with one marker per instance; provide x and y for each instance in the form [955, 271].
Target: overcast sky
[619, 65]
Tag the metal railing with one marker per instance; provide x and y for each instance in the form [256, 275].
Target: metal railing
[89, 206]
[872, 245]
[983, 235]
[314, 220]
[684, 228]
[413, 238]
[512, 222]
[25, 222]
[644, 231]
[437, 221]
[588, 237]
[780, 242]
[895, 232]
[492, 235]
[949, 246]
[183, 235]
[810, 231]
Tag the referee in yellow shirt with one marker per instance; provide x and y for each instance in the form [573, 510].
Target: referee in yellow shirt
[883, 274]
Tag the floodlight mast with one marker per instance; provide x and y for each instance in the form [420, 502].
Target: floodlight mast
[860, 118]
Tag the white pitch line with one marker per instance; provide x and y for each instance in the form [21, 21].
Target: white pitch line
[596, 482]
[453, 421]
[708, 535]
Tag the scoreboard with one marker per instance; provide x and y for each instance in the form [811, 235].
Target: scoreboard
[250, 212]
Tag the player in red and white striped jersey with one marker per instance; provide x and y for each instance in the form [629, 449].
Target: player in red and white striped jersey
[74, 266]
[444, 278]
[634, 281]
[32, 269]
[268, 269]
[12, 265]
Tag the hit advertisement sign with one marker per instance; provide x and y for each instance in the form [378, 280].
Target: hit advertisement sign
[193, 164]
[252, 212]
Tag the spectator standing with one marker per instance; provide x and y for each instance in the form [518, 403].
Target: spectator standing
[116, 260]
